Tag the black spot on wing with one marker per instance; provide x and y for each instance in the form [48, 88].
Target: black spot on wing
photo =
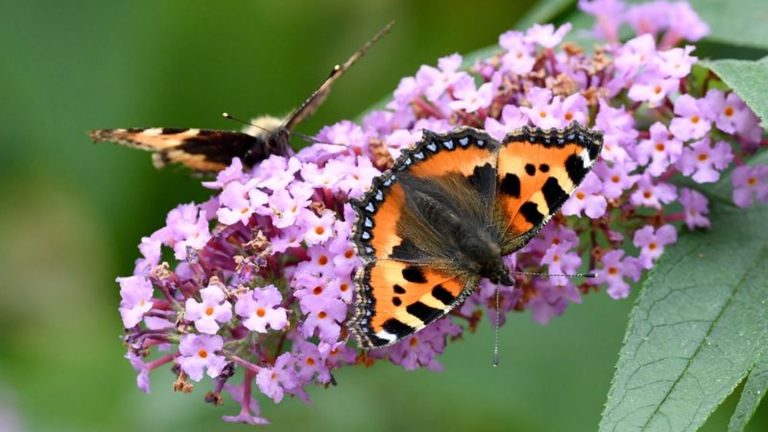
[574, 166]
[439, 292]
[483, 180]
[397, 328]
[544, 168]
[407, 251]
[398, 289]
[531, 213]
[396, 301]
[510, 185]
[423, 312]
[530, 169]
[414, 274]
[222, 147]
[554, 195]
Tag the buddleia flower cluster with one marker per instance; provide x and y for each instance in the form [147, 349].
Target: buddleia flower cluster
[254, 301]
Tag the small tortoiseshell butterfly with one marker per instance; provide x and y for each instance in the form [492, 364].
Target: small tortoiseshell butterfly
[205, 150]
[447, 212]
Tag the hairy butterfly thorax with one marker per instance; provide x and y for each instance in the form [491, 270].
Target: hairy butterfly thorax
[447, 213]
[207, 150]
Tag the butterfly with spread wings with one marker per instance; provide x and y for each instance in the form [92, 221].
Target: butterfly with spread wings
[207, 150]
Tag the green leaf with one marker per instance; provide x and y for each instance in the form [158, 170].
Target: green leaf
[697, 328]
[749, 79]
[736, 22]
[754, 390]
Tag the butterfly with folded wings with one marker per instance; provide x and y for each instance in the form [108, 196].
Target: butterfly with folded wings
[208, 150]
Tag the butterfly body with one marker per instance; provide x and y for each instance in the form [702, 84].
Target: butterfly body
[447, 213]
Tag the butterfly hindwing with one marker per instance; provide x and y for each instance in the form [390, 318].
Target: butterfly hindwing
[401, 299]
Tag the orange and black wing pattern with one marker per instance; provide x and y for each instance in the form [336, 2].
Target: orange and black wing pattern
[409, 280]
[453, 203]
[537, 171]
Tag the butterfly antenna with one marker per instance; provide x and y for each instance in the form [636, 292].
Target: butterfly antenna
[245, 122]
[313, 140]
[318, 96]
[496, 328]
[586, 275]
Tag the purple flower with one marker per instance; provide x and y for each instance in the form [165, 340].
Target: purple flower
[660, 151]
[278, 379]
[470, 99]
[186, 227]
[324, 316]
[136, 299]
[544, 112]
[550, 300]
[650, 194]
[587, 198]
[703, 162]
[420, 350]
[750, 182]
[685, 23]
[561, 260]
[676, 62]
[546, 35]
[730, 111]
[214, 309]
[511, 120]
[518, 58]
[694, 119]
[238, 202]
[609, 15]
[439, 80]
[250, 410]
[652, 242]
[142, 379]
[260, 308]
[652, 89]
[616, 180]
[198, 354]
[696, 208]
[615, 270]
[318, 229]
[234, 172]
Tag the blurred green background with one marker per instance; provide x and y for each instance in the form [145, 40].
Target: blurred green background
[73, 212]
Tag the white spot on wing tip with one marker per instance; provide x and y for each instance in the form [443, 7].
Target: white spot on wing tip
[153, 131]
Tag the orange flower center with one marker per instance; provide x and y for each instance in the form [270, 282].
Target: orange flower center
[318, 290]
[543, 114]
[657, 89]
[323, 260]
[569, 116]
[752, 181]
[322, 315]
[260, 312]
[647, 194]
[728, 111]
[413, 342]
[580, 195]
[695, 119]
[615, 179]
[660, 147]
[702, 157]
[349, 253]
[652, 246]
[209, 310]
[319, 230]
[202, 353]
[344, 287]
[613, 271]
[310, 361]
